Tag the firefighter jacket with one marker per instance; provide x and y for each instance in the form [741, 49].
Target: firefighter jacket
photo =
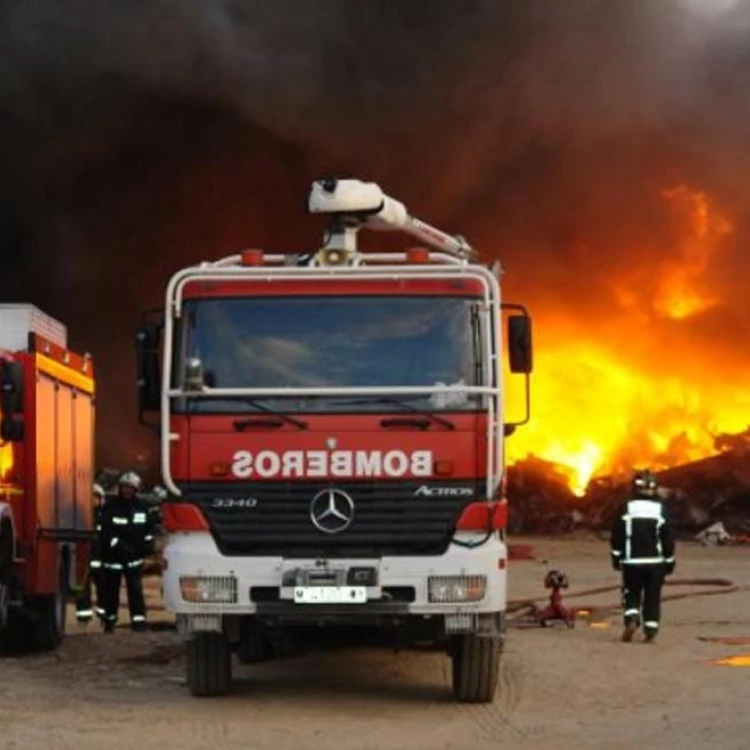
[642, 535]
[126, 533]
[95, 563]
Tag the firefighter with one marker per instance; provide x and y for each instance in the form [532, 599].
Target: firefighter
[643, 549]
[84, 606]
[126, 538]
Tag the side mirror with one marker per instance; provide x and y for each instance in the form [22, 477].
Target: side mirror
[148, 370]
[519, 344]
[11, 430]
[11, 387]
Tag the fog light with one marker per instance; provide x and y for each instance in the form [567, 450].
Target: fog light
[444, 589]
[209, 589]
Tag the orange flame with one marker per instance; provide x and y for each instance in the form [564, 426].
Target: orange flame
[600, 401]
[678, 296]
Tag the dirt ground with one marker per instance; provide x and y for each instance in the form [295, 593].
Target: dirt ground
[560, 688]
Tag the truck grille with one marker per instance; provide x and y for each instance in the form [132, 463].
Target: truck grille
[388, 519]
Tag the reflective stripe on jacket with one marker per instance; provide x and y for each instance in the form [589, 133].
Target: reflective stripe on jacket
[642, 534]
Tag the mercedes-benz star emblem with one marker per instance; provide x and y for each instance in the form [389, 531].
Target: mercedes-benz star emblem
[332, 511]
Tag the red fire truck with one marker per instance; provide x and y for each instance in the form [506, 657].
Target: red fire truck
[332, 441]
[46, 475]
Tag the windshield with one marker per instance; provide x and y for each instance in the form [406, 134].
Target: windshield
[279, 342]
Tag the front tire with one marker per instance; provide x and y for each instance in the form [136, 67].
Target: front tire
[209, 665]
[12, 631]
[476, 668]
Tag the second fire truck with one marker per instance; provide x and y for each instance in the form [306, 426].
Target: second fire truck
[47, 411]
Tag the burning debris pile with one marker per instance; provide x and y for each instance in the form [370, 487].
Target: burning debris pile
[698, 494]
[714, 490]
[541, 501]
[645, 382]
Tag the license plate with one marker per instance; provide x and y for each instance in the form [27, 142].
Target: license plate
[330, 594]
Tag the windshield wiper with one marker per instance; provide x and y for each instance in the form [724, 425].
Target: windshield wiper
[240, 424]
[268, 410]
[402, 402]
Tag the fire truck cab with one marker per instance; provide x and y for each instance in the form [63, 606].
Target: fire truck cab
[46, 476]
[332, 441]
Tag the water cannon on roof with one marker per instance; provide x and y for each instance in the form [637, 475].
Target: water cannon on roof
[353, 204]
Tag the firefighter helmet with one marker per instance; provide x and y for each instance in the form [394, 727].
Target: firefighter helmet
[130, 479]
[644, 483]
[99, 490]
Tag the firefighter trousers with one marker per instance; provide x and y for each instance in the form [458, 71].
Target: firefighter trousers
[641, 594]
[110, 592]
[85, 609]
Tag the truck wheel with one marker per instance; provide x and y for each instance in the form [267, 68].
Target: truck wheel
[14, 636]
[48, 628]
[209, 665]
[6, 570]
[12, 627]
[476, 666]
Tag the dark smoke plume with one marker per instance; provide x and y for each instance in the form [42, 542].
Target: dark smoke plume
[138, 137]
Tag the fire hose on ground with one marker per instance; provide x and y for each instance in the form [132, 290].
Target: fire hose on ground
[526, 612]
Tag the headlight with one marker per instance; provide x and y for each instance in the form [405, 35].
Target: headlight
[444, 589]
[209, 589]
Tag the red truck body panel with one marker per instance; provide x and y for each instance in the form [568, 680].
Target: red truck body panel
[377, 452]
[210, 448]
[207, 440]
[439, 288]
[47, 477]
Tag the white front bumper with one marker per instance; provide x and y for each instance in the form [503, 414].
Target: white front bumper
[196, 554]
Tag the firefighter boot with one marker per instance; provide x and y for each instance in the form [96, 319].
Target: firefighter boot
[84, 610]
[631, 625]
[649, 633]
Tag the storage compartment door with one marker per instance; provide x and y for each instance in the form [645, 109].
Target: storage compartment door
[83, 428]
[65, 488]
[46, 460]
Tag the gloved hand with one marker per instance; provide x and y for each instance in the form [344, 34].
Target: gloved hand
[616, 564]
[669, 568]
